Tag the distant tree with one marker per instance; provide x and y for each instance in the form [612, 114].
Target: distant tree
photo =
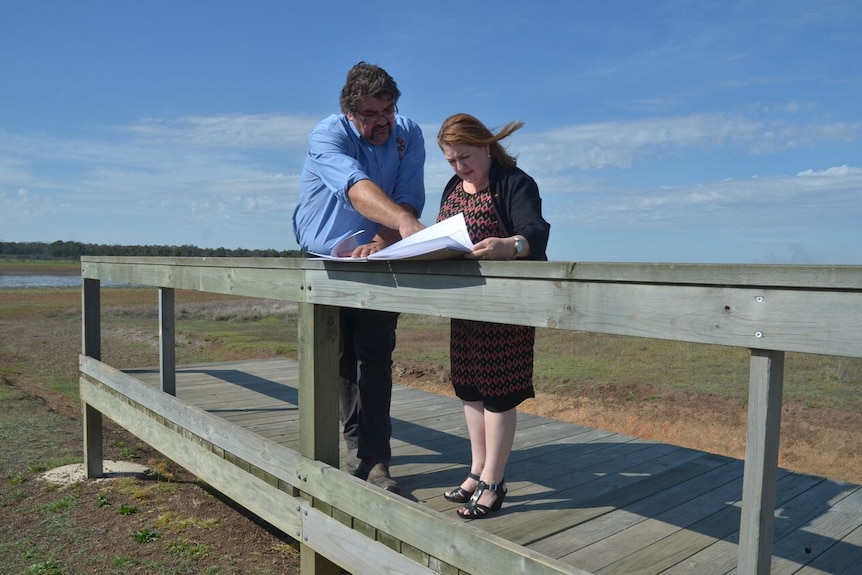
[62, 250]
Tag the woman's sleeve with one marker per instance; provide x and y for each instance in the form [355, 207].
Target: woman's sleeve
[525, 214]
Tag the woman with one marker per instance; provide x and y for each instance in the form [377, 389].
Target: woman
[503, 211]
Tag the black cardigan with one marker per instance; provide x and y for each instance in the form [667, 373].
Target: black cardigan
[517, 205]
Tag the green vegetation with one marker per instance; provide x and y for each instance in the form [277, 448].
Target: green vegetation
[147, 535]
[49, 567]
[40, 266]
[63, 504]
[61, 250]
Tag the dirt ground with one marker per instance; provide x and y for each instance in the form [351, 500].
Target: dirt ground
[163, 522]
[183, 527]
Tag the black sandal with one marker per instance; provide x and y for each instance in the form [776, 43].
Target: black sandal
[459, 494]
[475, 510]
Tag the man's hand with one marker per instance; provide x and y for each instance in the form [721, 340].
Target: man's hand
[366, 250]
[410, 227]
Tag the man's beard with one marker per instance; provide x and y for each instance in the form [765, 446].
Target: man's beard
[380, 134]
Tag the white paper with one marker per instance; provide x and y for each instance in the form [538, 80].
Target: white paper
[443, 240]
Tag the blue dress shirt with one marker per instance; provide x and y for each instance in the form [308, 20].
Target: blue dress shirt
[338, 157]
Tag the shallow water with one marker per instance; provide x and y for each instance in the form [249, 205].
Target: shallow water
[46, 281]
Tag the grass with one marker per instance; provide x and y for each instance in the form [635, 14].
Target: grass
[43, 267]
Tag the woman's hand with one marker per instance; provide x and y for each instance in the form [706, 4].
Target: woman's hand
[494, 249]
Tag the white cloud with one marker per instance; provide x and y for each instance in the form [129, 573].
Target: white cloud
[235, 131]
[621, 144]
[835, 172]
[23, 206]
[790, 202]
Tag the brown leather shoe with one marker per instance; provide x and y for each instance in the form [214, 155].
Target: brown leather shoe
[379, 476]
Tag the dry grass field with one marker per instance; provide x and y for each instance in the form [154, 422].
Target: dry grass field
[170, 523]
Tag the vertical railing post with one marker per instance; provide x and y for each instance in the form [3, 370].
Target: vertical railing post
[167, 341]
[319, 336]
[91, 346]
[766, 381]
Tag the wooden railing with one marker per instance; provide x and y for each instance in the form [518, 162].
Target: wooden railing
[767, 309]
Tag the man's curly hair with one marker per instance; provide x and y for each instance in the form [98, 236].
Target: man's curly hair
[365, 80]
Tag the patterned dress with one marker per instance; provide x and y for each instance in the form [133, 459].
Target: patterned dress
[490, 362]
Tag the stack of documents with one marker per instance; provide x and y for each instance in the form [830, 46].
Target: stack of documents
[444, 240]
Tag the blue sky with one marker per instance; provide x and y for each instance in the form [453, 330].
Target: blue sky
[661, 131]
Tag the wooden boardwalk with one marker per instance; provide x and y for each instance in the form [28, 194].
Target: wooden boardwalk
[600, 501]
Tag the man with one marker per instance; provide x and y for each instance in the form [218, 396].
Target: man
[364, 172]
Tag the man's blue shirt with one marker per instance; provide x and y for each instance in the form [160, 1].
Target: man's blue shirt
[338, 157]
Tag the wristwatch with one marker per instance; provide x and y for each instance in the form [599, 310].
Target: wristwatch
[519, 247]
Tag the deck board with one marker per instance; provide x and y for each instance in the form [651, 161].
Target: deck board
[601, 501]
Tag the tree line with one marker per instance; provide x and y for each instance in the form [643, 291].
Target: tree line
[61, 250]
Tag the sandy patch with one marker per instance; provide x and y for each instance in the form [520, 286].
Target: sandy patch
[68, 474]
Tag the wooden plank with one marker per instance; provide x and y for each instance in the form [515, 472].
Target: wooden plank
[91, 318]
[319, 342]
[844, 557]
[243, 399]
[823, 531]
[803, 497]
[628, 532]
[565, 451]
[677, 506]
[670, 302]
[93, 441]
[755, 275]
[350, 549]
[523, 466]
[683, 544]
[268, 278]
[563, 509]
[791, 320]
[743, 275]
[91, 345]
[761, 461]
[265, 501]
[225, 436]
[167, 341]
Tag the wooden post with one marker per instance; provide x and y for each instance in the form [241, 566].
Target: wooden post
[91, 345]
[319, 342]
[766, 381]
[167, 341]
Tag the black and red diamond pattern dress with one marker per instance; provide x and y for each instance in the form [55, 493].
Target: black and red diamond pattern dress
[490, 362]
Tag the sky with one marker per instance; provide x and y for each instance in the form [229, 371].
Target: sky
[679, 131]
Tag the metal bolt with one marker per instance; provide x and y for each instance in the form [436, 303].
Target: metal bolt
[758, 334]
[759, 299]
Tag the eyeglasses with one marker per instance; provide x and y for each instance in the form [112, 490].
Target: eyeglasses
[370, 117]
